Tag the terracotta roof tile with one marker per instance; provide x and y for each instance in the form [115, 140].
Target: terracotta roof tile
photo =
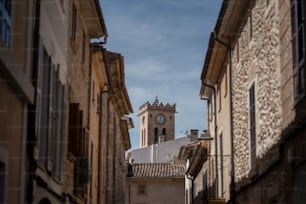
[158, 170]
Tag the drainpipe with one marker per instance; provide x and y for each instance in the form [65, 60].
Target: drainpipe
[215, 133]
[232, 191]
[229, 61]
[192, 186]
[100, 150]
[31, 137]
[105, 90]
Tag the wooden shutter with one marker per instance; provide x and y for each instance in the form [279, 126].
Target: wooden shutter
[44, 109]
[74, 128]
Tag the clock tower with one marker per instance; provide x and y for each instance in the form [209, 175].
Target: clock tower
[157, 123]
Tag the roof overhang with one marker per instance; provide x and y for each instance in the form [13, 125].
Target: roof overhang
[232, 17]
[125, 134]
[93, 17]
[119, 92]
[99, 66]
[197, 161]
[197, 155]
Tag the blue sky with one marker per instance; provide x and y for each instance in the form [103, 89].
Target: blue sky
[164, 44]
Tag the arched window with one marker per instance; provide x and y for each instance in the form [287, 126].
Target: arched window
[142, 138]
[156, 135]
[164, 133]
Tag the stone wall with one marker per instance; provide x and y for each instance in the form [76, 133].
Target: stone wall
[256, 60]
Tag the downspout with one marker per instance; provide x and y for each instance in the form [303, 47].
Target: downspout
[129, 194]
[215, 133]
[192, 186]
[100, 184]
[232, 187]
[89, 86]
[229, 61]
[105, 90]
[31, 139]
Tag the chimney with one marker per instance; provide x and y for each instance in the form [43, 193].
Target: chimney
[194, 134]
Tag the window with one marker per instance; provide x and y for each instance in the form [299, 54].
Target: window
[221, 163]
[141, 138]
[237, 50]
[212, 106]
[204, 181]
[50, 118]
[141, 190]
[91, 168]
[57, 122]
[252, 119]
[73, 22]
[299, 184]
[5, 21]
[156, 135]
[164, 131]
[98, 103]
[111, 119]
[219, 96]
[144, 137]
[83, 48]
[251, 25]
[225, 82]
[2, 182]
[43, 109]
[75, 128]
[93, 91]
[298, 47]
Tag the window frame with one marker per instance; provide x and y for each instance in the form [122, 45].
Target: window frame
[221, 149]
[83, 53]
[298, 48]
[252, 124]
[74, 22]
[6, 22]
[142, 190]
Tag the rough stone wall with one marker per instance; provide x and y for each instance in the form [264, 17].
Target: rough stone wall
[256, 59]
[78, 72]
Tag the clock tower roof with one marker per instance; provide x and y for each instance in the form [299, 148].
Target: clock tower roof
[156, 105]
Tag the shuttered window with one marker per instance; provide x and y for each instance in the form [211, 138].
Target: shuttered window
[2, 182]
[44, 108]
[221, 163]
[50, 115]
[252, 119]
[75, 126]
[5, 21]
[155, 135]
[298, 47]
[73, 22]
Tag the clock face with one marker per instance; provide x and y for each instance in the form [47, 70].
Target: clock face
[160, 119]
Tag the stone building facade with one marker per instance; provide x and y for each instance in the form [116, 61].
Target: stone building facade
[64, 105]
[157, 123]
[255, 45]
[115, 107]
[155, 183]
[16, 94]
[82, 146]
